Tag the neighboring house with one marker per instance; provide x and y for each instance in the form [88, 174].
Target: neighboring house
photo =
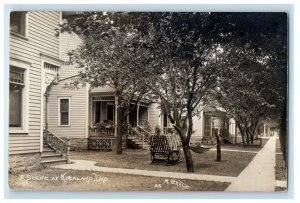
[34, 60]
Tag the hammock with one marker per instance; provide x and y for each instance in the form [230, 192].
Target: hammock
[200, 149]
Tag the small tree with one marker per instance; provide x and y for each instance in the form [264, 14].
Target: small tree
[181, 70]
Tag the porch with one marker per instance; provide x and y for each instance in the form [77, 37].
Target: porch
[215, 122]
[102, 119]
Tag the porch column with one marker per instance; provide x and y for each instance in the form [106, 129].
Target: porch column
[265, 134]
[162, 121]
[235, 133]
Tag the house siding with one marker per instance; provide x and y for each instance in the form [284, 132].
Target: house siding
[77, 110]
[70, 41]
[154, 116]
[40, 39]
[197, 126]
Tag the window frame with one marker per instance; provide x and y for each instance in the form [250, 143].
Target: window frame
[25, 97]
[25, 35]
[59, 112]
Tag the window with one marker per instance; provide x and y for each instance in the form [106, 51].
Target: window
[18, 22]
[18, 96]
[16, 85]
[64, 111]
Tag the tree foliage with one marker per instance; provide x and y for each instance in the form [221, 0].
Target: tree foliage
[186, 59]
[182, 70]
[266, 35]
[107, 58]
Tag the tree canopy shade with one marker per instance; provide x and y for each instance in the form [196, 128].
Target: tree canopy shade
[266, 35]
[246, 89]
[186, 59]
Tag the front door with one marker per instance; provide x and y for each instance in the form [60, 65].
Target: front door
[110, 112]
[97, 118]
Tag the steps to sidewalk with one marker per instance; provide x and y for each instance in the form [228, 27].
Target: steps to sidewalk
[49, 157]
[137, 144]
[53, 162]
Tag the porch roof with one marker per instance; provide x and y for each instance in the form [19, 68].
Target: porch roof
[213, 109]
[104, 89]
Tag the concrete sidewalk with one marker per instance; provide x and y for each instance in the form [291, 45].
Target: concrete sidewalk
[259, 175]
[90, 166]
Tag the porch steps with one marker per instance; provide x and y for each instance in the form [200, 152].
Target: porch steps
[137, 144]
[49, 157]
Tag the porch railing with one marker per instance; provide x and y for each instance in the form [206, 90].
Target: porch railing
[102, 129]
[59, 145]
[139, 134]
[104, 143]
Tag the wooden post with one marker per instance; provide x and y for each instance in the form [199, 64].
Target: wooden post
[68, 150]
[260, 143]
[138, 114]
[211, 125]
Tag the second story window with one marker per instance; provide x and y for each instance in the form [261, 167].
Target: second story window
[18, 22]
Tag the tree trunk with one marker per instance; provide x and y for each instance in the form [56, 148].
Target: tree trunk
[218, 148]
[242, 133]
[185, 133]
[283, 136]
[118, 127]
[188, 157]
[248, 134]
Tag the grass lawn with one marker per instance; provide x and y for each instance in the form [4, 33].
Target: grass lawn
[71, 180]
[280, 169]
[231, 165]
[278, 148]
[239, 146]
